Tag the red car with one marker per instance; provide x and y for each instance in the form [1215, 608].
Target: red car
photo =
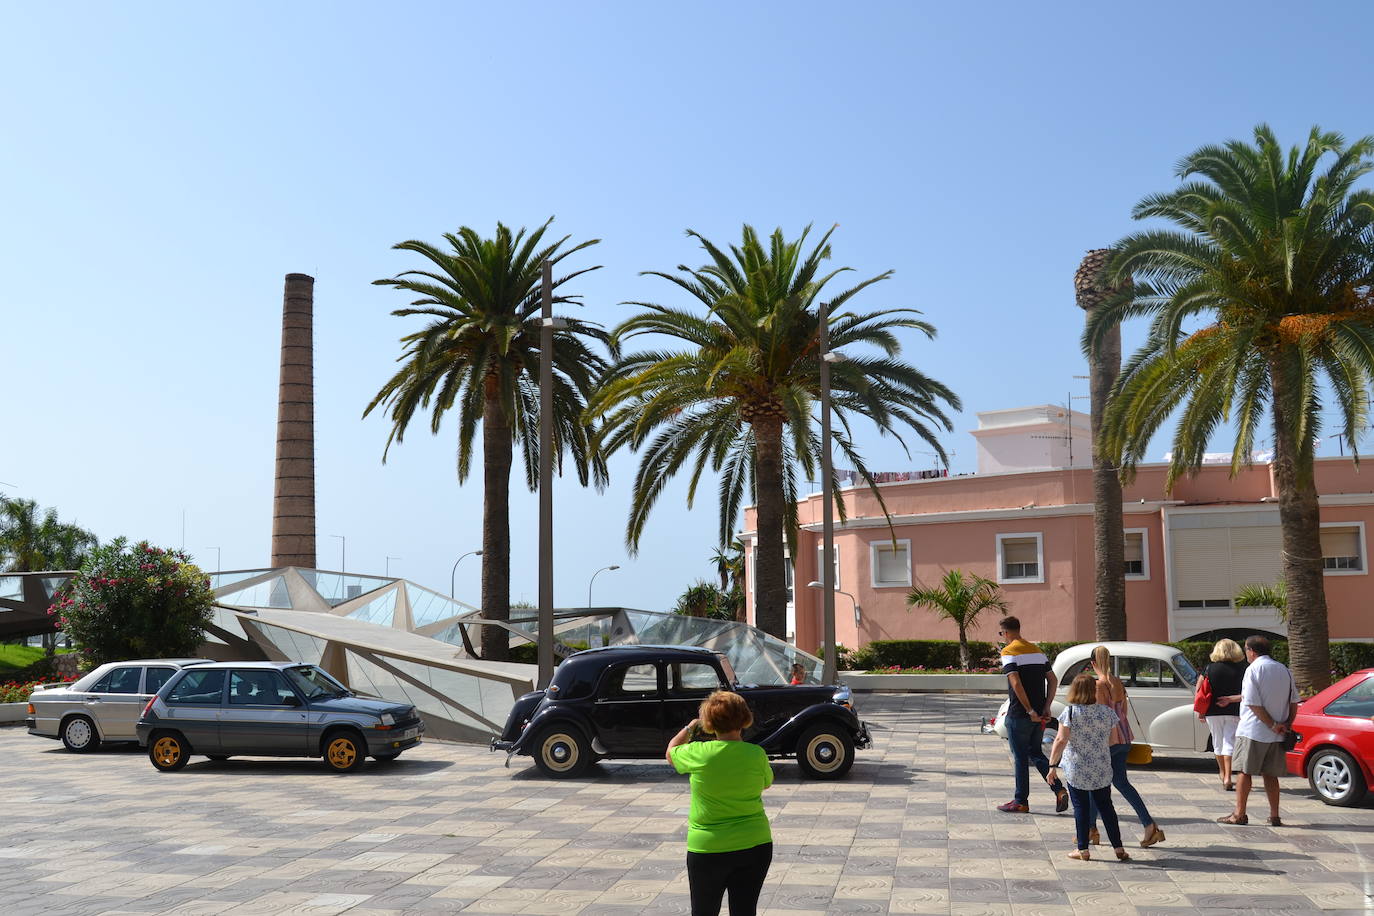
[1335, 748]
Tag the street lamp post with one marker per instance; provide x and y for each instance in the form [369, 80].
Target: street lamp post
[470, 553]
[858, 611]
[343, 552]
[829, 671]
[593, 579]
[546, 328]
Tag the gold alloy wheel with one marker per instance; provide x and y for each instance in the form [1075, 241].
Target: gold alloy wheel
[341, 753]
[166, 751]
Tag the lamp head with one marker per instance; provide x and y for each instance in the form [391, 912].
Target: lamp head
[814, 585]
[613, 567]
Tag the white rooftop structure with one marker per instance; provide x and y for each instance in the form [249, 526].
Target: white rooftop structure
[1039, 438]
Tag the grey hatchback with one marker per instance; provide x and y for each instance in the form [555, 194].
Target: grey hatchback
[271, 709]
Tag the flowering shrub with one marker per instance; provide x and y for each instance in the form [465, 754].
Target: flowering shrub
[135, 602]
[18, 691]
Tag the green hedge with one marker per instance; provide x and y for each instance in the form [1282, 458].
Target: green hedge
[944, 653]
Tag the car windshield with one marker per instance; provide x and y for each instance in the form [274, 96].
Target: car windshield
[1185, 669]
[315, 683]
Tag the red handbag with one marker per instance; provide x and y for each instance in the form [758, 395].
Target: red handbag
[1202, 700]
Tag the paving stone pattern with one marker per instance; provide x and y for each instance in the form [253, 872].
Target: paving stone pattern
[447, 828]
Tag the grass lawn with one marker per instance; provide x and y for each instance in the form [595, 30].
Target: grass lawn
[16, 657]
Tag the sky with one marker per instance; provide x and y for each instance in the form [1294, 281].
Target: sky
[163, 166]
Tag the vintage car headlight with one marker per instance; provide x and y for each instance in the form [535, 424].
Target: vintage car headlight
[842, 697]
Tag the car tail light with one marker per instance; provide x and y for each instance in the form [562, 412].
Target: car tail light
[149, 707]
[32, 711]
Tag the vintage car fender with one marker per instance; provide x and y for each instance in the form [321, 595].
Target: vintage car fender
[546, 716]
[1174, 728]
[1000, 723]
[781, 740]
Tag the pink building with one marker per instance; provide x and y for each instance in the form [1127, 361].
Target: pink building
[1025, 521]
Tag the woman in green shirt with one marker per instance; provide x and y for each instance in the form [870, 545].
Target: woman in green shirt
[729, 842]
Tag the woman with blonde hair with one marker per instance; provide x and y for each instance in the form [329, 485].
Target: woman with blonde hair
[1087, 730]
[1224, 676]
[729, 841]
[1111, 692]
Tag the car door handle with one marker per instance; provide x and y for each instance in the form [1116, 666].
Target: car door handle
[92, 699]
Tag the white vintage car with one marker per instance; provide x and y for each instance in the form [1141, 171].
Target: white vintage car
[1159, 681]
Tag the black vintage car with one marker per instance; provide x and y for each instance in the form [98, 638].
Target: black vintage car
[627, 701]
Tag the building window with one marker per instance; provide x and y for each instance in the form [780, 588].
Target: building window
[1343, 548]
[1204, 602]
[820, 565]
[1020, 558]
[1137, 553]
[891, 563]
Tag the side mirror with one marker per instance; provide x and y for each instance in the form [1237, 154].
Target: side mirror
[291, 700]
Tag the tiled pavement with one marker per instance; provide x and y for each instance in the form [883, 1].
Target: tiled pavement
[912, 830]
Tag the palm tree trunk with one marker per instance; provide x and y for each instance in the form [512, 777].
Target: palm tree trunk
[1109, 538]
[1309, 648]
[770, 590]
[963, 648]
[496, 465]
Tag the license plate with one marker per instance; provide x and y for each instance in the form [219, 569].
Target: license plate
[409, 733]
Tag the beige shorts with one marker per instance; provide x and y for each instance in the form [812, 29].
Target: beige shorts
[1259, 758]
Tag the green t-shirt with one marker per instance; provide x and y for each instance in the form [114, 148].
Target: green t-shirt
[728, 779]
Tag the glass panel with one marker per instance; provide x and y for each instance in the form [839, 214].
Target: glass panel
[315, 682]
[12, 588]
[225, 579]
[1019, 550]
[203, 686]
[156, 677]
[636, 681]
[1138, 672]
[1340, 542]
[125, 680]
[52, 583]
[257, 687]
[428, 607]
[1135, 550]
[692, 679]
[1185, 669]
[380, 610]
[261, 595]
[1357, 701]
[336, 588]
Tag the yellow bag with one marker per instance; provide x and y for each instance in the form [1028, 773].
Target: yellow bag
[1140, 754]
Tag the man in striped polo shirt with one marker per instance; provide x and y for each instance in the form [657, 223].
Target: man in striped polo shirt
[1030, 690]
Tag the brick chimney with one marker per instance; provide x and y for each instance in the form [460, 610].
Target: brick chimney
[293, 505]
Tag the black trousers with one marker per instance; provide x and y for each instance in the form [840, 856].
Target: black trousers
[711, 874]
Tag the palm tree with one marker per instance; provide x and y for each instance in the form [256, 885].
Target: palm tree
[1274, 596]
[480, 352]
[32, 539]
[728, 560]
[1109, 538]
[960, 600]
[738, 398]
[1270, 267]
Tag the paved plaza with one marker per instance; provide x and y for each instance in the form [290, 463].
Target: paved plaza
[447, 828]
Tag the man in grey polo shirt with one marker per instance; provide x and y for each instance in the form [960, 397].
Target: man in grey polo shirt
[1268, 702]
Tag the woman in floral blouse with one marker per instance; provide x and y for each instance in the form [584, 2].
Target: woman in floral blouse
[1082, 750]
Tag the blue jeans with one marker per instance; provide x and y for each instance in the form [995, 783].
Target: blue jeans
[1122, 783]
[1085, 803]
[1025, 740]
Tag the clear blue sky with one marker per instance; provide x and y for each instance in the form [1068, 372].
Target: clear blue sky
[164, 165]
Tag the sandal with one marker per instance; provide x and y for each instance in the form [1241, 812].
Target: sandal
[1229, 786]
[1238, 821]
[1081, 855]
[1275, 822]
[1152, 836]
[1123, 855]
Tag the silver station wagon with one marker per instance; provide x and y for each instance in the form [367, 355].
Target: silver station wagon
[271, 709]
[102, 706]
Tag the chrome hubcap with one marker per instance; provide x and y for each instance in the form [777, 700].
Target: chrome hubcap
[1331, 777]
[824, 753]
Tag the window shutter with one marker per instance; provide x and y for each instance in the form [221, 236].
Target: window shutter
[1135, 550]
[1019, 550]
[1201, 563]
[892, 564]
[1340, 542]
[1256, 557]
